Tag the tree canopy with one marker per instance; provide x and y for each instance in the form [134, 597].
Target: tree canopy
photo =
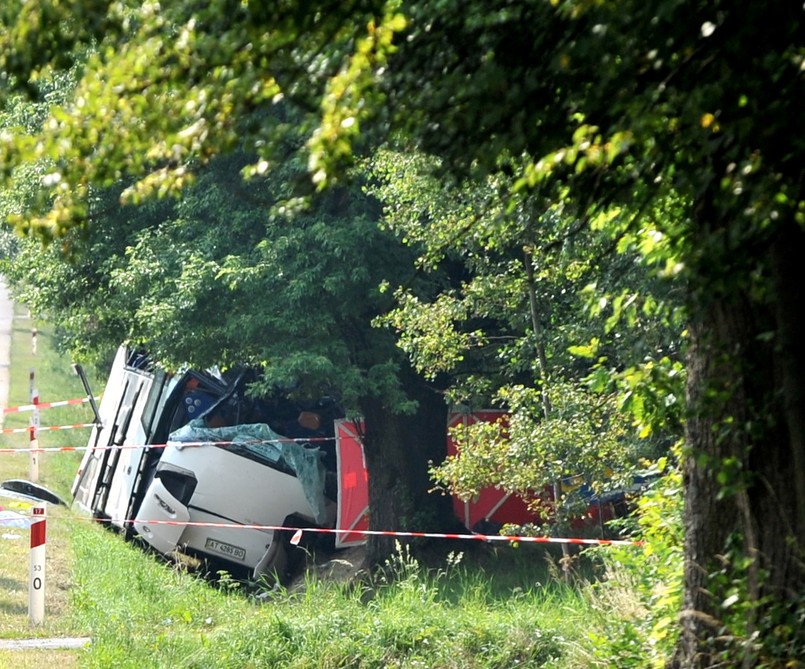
[597, 107]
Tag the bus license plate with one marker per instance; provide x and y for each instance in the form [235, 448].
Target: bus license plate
[225, 549]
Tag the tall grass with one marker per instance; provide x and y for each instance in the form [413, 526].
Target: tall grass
[142, 613]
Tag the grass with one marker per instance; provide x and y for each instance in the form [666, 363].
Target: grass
[506, 610]
[141, 613]
[55, 381]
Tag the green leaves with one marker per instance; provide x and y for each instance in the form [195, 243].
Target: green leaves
[583, 441]
[653, 573]
[351, 97]
[588, 351]
[164, 91]
[431, 334]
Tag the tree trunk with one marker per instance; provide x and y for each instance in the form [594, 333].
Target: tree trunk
[745, 469]
[398, 449]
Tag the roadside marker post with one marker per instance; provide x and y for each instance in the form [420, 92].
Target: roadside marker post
[36, 586]
[33, 463]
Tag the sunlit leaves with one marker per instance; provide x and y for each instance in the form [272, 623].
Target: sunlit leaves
[584, 442]
[653, 393]
[430, 334]
[587, 150]
[351, 97]
[169, 87]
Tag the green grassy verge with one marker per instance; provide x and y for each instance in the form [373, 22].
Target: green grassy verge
[140, 612]
[55, 381]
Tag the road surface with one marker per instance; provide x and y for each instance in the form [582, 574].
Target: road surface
[6, 328]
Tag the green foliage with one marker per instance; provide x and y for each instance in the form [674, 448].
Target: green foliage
[428, 332]
[760, 631]
[224, 275]
[640, 594]
[483, 321]
[509, 323]
[351, 96]
[583, 442]
[164, 88]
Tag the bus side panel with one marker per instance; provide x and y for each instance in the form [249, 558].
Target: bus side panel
[88, 478]
[130, 441]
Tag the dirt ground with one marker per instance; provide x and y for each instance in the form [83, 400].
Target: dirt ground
[343, 566]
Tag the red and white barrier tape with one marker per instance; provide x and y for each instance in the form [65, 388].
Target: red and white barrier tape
[46, 405]
[44, 449]
[46, 428]
[124, 447]
[298, 532]
[390, 533]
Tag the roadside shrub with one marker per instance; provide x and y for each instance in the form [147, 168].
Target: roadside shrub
[640, 595]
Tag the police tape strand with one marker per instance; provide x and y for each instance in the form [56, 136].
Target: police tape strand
[298, 531]
[124, 447]
[47, 405]
[45, 428]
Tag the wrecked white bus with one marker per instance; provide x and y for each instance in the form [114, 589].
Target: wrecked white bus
[168, 450]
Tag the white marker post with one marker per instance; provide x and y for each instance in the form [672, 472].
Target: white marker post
[33, 462]
[36, 587]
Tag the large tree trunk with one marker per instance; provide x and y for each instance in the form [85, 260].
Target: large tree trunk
[745, 470]
[398, 448]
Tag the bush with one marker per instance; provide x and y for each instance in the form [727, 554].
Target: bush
[640, 596]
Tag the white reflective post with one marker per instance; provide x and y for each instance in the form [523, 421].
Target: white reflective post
[36, 586]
